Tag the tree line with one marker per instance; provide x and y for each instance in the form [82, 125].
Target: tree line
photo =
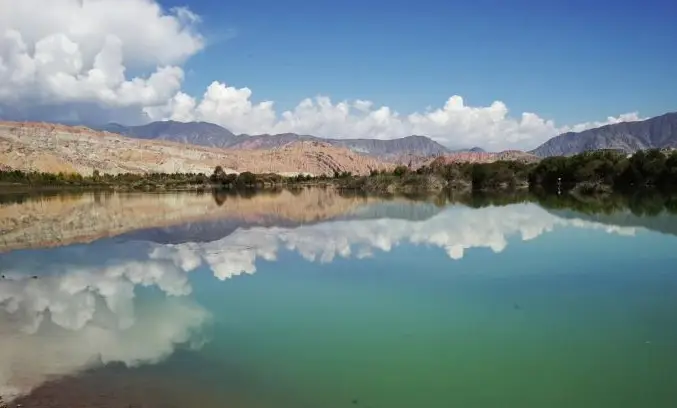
[589, 171]
[44, 179]
[649, 168]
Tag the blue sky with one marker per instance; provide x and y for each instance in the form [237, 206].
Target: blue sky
[572, 61]
[495, 74]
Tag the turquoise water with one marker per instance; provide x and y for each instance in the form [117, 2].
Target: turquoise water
[392, 305]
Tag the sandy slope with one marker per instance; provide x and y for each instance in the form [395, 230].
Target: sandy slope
[54, 148]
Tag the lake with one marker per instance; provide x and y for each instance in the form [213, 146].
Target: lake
[311, 298]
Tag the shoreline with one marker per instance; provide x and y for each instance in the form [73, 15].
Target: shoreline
[599, 172]
[91, 214]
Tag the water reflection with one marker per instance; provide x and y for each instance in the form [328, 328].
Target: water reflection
[58, 220]
[130, 299]
[38, 221]
[63, 316]
[454, 230]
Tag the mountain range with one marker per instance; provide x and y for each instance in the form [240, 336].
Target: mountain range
[211, 135]
[49, 147]
[156, 146]
[657, 132]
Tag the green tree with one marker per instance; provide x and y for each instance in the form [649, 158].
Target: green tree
[218, 175]
[246, 179]
[401, 171]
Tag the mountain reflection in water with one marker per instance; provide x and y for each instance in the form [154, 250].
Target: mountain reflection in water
[91, 280]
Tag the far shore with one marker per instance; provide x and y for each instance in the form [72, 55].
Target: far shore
[599, 172]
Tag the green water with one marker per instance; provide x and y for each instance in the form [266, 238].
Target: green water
[501, 306]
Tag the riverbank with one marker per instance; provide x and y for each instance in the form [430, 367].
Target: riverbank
[588, 173]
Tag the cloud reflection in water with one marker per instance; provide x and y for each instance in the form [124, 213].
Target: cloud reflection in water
[78, 316]
[454, 230]
[83, 309]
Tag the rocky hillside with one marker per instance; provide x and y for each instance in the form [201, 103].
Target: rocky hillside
[211, 135]
[58, 148]
[657, 132]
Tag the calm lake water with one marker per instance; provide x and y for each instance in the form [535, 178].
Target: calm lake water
[312, 299]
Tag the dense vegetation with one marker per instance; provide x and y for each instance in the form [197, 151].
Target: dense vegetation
[651, 168]
[600, 171]
[138, 181]
[38, 179]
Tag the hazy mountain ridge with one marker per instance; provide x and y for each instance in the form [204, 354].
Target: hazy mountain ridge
[211, 135]
[197, 133]
[656, 132]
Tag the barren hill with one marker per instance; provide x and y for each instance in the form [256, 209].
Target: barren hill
[55, 148]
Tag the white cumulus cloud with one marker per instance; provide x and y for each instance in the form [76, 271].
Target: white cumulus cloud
[112, 54]
[121, 60]
[455, 124]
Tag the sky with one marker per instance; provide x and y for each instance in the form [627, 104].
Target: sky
[494, 74]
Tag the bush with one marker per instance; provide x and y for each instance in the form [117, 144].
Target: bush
[246, 179]
[401, 171]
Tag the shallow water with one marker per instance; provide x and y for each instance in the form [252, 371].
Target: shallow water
[319, 300]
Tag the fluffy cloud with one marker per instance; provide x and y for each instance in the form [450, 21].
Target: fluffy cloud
[455, 124]
[626, 117]
[74, 59]
[60, 54]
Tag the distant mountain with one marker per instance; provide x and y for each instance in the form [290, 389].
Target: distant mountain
[471, 150]
[209, 134]
[657, 132]
[197, 133]
[414, 145]
[30, 146]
